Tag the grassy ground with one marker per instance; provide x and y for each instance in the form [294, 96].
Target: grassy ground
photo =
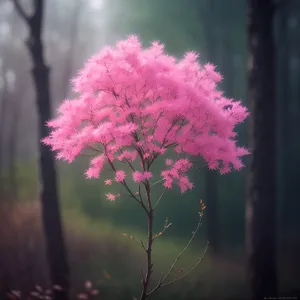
[98, 252]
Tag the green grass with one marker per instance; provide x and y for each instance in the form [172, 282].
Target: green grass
[125, 271]
[96, 246]
[164, 250]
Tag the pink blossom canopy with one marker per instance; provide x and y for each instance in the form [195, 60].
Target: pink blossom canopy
[134, 102]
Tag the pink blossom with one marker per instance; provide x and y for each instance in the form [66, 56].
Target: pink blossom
[146, 155]
[141, 176]
[168, 183]
[131, 156]
[120, 176]
[136, 103]
[110, 197]
[97, 164]
[108, 182]
[169, 162]
[138, 176]
[147, 175]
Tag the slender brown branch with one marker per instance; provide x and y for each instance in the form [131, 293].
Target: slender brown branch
[161, 196]
[146, 279]
[191, 270]
[182, 252]
[127, 187]
[21, 11]
[141, 243]
[140, 194]
[130, 165]
[161, 281]
[155, 183]
[166, 226]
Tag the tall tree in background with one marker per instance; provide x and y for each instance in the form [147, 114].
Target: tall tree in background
[56, 252]
[284, 134]
[15, 104]
[261, 198]
[73, 37]
[3, 112]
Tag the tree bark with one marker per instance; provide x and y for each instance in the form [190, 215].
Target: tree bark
[56, 252]
[3, 113]
[261, 198]
[284, 135]
[12, 147]
[212, 212]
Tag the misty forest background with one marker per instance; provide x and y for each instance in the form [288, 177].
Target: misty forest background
[96, 250]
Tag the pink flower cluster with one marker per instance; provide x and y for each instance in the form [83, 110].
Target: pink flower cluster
[137, 103]
[177, 173]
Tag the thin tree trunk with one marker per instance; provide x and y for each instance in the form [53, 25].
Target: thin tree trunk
[261, 200]
[211, 176]
[212, 213]
[56, 252]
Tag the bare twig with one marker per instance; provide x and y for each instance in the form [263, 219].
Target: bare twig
[166, 226]
[162, 194]
[20, 10]
[140, 194]
[162, 280]
[184, 249]
[130, 165]
[127, 187]
[141, 243]
[191, 270]
[155, 183]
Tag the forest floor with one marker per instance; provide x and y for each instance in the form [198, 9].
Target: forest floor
[98, 252]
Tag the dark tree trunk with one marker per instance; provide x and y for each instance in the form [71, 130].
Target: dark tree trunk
[56, 252]
[12, 147]
[3, 113]
[283, 121]
[261, 200]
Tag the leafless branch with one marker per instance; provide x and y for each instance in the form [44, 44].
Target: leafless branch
[20, 10]
[162, 194]
[191, 270]
[141, 243]
[166, 226]
[161, 282]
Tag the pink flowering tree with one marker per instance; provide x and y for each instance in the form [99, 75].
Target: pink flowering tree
[133, 105]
